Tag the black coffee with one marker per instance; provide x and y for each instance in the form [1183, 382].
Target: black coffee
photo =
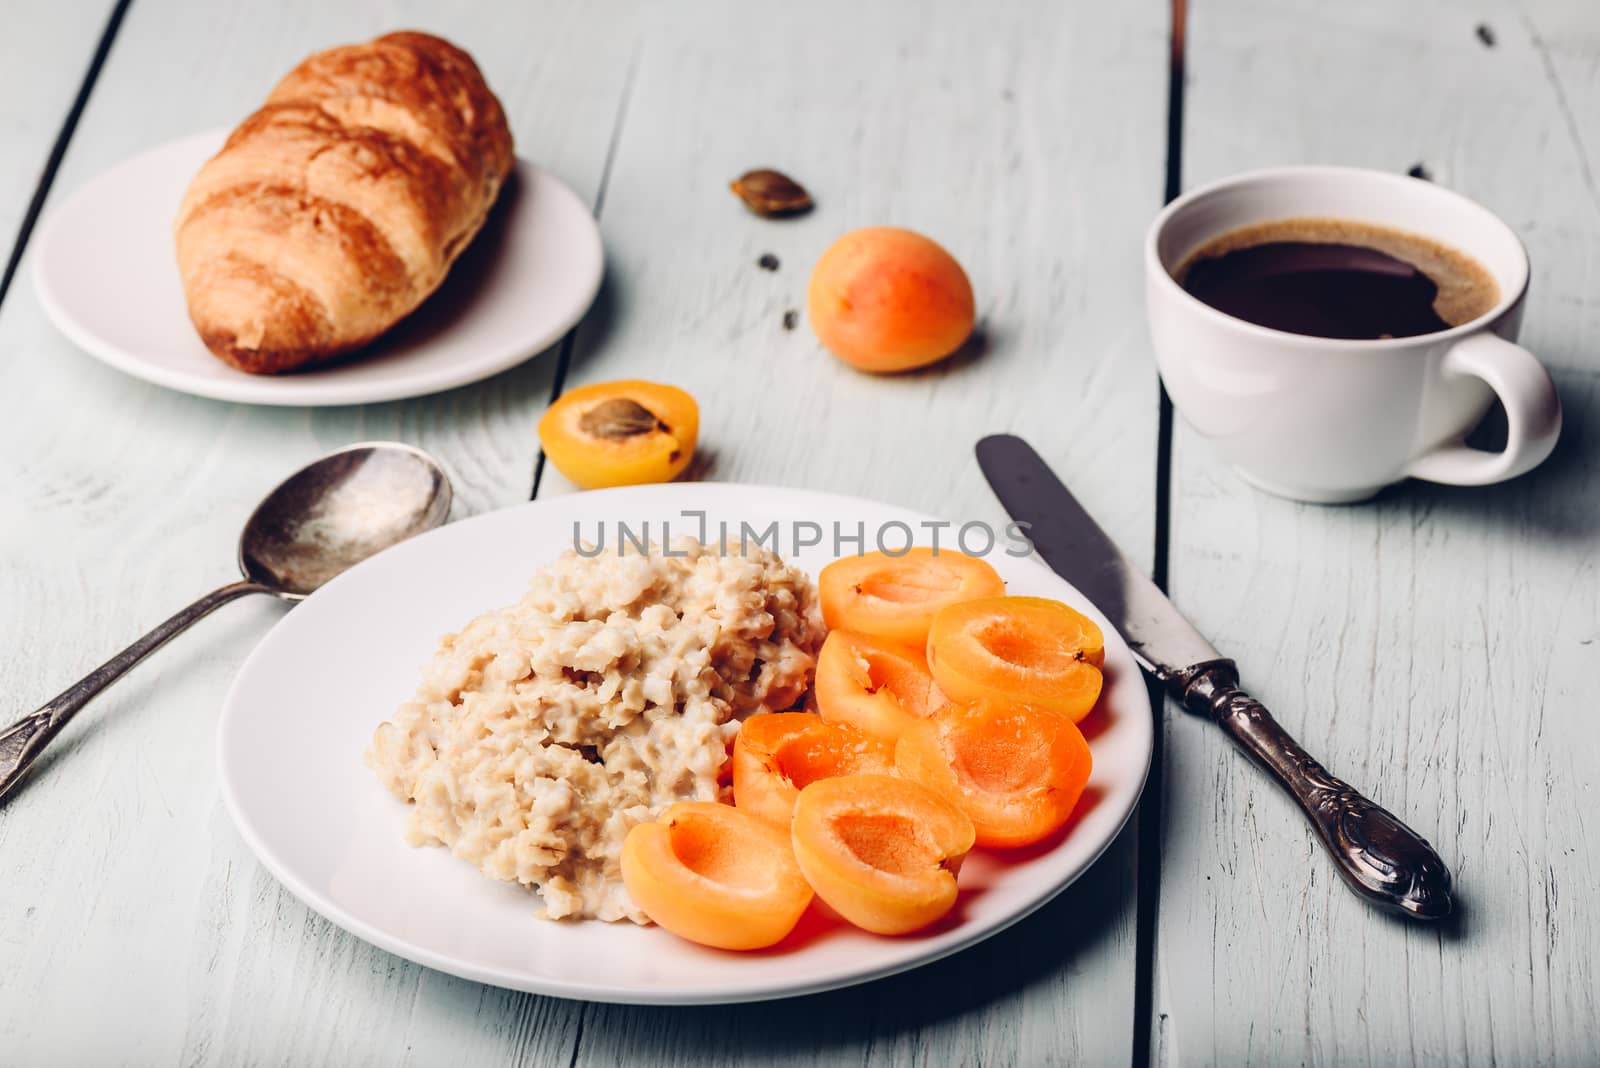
[1337, 278]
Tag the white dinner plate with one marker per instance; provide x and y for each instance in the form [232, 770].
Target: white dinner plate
[299, 717]
[107, 275]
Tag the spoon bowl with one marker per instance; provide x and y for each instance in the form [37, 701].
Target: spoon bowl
[337, 511]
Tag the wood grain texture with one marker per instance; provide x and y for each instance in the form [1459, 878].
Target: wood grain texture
[135, 926]
[1436, 646]
[985, 127]
[48, 51]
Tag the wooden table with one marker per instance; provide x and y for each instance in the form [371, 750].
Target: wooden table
[1438, 645]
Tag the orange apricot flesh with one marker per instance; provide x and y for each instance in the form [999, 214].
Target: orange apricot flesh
[876, 687]
[777, 754]
[883, 852]
[884, 299]
[895, 598]
[1027, 650]
[620, 433]
[1017, 772]
[714, 875]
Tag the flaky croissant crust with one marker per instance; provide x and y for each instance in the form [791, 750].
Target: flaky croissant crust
[338, 207]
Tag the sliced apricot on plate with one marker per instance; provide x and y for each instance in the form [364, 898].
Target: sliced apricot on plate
[884, 852]
[712, 874]
[1026, 650]
[620, 433]
[894, 598]
[874, 686]
[778, 754]
[1017, 772]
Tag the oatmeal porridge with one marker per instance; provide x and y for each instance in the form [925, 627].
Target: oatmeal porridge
[542, 732]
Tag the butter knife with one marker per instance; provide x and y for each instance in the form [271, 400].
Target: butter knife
[1381, 859]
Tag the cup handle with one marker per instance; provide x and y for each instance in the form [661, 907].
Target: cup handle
[1533, 414]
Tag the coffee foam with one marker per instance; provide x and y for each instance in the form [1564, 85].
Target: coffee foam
[1466, 288]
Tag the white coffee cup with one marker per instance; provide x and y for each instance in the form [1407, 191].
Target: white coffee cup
[1328, 419]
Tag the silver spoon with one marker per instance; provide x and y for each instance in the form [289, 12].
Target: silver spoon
[328, 516]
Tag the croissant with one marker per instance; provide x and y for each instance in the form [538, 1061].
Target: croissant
[333, 211]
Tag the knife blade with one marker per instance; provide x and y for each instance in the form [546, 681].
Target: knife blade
[1075, 547]
[1379, 857]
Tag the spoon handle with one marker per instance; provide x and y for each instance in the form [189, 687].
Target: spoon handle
[23, 741]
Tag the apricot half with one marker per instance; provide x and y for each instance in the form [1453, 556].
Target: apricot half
[884, 299]
[712, 874]
[884, 852]
[620, 433]
[1017, 772]
[1026, 650]
[777, 754]
[896, 597]
[873, 686]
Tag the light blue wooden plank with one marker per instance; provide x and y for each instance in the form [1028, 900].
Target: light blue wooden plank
[127, 893]
[1030, 140]
[1436, 646]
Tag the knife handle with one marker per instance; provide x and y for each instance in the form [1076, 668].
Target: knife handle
[1381, 858]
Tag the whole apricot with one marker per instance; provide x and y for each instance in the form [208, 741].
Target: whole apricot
[884, 299]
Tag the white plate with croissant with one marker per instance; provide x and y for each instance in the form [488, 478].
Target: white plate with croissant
[367, 235]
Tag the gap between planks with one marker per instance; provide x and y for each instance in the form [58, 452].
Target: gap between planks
[58, 150]
[1147, 866]
[570, 342]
